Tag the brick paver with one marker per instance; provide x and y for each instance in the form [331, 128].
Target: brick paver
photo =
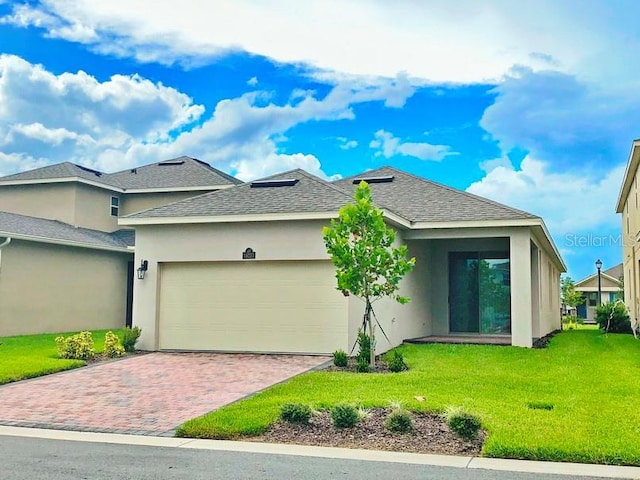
[144, 394]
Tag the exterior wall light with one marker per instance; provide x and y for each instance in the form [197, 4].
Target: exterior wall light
[142, 269]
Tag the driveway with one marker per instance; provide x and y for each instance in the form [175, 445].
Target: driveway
[147, 394]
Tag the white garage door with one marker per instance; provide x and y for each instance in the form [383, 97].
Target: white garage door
[252, 306]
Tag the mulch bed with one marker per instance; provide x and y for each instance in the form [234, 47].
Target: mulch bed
[543, 342]
[430, 435]
[352, 362]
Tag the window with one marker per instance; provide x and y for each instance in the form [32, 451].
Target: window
[592, 299]
[115, 206]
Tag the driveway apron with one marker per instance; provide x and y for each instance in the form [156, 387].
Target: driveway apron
[144, 394]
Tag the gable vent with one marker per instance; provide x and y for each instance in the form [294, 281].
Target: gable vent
[386, 179]
[285, 182]
[172, 162]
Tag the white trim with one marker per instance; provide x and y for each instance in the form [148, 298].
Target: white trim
[68, 243]
[203, 188]
[116, 206]
[265, 217]
[629, 174]
[525, 222]
[595, 275]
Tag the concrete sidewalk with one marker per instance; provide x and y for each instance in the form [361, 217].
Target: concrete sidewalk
[526, 466]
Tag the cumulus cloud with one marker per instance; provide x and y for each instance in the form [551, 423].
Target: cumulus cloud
[388, 145]
[569, 202]
[463, 42]
[346, 144]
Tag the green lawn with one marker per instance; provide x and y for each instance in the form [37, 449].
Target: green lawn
[28, 356]
[593, 381]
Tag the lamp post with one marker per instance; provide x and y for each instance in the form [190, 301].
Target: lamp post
[599, 267]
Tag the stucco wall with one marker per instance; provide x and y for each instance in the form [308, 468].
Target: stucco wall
[93, 208]
[631, 249]
[50, 201]
[51, 288]
[136, 202]
[550, 318]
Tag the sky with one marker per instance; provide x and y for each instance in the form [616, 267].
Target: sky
[532, 104]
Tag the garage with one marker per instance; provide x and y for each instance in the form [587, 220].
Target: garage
[251, 306]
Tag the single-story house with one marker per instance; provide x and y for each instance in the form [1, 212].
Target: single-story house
[611, 286]
[245, 269]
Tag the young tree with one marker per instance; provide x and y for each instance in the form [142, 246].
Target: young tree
[568, 293]
[367, 264]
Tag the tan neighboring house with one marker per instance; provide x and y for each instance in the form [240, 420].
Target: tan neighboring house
[611, 285]
[65, 264]
[245, 269]
[628, 206]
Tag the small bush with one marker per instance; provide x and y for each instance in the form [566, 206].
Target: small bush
[344, 416]
[613, 318]
[399, 421]
[364, 347]
[112, 346]
[130, 338]
[78, 346]
[363, 366]
[462, 422]
[340, 358]
[395, 360]
[296, 413]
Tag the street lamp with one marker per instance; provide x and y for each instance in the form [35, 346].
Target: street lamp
[599, 267]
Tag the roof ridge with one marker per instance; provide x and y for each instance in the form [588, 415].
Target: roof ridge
[456, 190]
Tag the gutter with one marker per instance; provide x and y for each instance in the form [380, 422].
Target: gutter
[4, 244]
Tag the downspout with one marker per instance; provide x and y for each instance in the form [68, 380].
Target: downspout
[4, 244]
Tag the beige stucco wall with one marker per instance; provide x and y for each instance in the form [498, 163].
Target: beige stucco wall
[550, 318]
[53, 288]
[591, 285]
[93, 208]
[136, 202]
[51, 201]
[631, 249]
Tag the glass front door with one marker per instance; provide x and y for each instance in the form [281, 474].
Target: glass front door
[479, 293]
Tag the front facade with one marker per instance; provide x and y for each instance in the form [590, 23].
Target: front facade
[611, 287]
[65, 264]
[246, 269]
[629, 209]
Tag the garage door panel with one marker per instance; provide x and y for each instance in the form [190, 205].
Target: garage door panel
[252, 306]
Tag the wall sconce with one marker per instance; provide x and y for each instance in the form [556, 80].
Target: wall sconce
[142, 269]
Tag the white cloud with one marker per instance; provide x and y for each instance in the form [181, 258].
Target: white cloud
[570, 203]
[390, 146]
[465, 41]
[346, 144]
[252, 82]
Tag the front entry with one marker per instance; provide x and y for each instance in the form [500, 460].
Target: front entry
[479, 293]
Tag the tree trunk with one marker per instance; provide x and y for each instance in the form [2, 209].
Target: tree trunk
[369, 323]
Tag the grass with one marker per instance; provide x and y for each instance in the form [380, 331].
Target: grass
[575, 401]
[28, 356]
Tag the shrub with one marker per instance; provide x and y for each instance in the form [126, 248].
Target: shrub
[395, 360]
[399, 421]
[112, 346]
[296, 413]
[340, 358]
[462, 422]
[130, 338]
[363, 366]
[364, 347]
[344, 416]
[78, 346]
[613, 318]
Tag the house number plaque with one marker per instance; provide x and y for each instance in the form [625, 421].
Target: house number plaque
[249, 254]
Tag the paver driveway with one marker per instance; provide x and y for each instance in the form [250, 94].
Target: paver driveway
[144, 394]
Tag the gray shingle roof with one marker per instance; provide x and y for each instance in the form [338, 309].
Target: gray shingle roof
[14, 224]
[177, 172]
[421, 200]
[174, 173]
[309, 194]
[615, 271]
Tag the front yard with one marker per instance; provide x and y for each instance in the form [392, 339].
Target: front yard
[28, 356]
[591, 380]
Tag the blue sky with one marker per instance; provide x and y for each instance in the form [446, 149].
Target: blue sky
[534, 105]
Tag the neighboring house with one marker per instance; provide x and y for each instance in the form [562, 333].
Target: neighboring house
[246, 269]
[65, 263]
[628, 206]
[610, 287]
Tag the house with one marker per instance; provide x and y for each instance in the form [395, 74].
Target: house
[246, 269]
[65, 264]
[611, 285]
[627, 206]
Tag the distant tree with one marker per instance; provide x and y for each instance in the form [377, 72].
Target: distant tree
[367, 264]
[570, 297]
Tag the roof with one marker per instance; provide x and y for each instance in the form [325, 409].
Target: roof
[421, 200]
[614, 274]
[629, 175]
[173, 174]
[309, 194]
[54, 231]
